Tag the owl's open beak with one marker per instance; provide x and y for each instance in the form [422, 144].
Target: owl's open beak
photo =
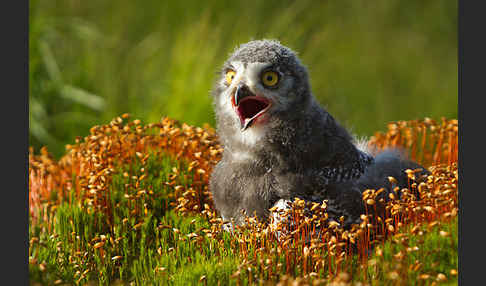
[248, 106]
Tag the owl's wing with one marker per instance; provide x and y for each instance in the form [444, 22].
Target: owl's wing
[346, 163]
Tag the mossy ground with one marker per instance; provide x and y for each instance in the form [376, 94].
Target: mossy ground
[151, 224]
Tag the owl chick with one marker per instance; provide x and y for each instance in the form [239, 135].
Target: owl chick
[279, 143]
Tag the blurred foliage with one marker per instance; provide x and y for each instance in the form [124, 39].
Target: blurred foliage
[369, 62]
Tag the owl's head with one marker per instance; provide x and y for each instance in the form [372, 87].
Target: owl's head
[260, 81]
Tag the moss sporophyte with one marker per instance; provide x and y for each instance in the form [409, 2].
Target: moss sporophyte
[130, 203]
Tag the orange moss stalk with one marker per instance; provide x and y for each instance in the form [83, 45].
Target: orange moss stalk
[308, 245]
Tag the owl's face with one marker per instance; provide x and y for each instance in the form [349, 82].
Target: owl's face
[260, 81]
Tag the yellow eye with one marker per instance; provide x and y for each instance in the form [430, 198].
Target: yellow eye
[270, 78]
[230, 75]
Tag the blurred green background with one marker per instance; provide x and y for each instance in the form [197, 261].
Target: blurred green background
[370, 62]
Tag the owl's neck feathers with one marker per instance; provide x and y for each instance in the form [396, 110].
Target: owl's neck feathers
[307, 139]
[279, 129]
[295, 133]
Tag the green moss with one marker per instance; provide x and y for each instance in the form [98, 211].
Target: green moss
[142, 247]
[435, 253]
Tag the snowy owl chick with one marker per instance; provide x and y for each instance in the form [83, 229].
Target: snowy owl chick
[279, 143]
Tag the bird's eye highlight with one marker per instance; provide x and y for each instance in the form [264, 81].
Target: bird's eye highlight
[230, 75]
[270, 78]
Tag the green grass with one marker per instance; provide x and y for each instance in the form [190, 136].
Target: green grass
[156, 246]
[369, 62]
[75, 226]
[435, 253]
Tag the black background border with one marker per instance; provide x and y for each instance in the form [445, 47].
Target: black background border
[472, 80]
[14, 206]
